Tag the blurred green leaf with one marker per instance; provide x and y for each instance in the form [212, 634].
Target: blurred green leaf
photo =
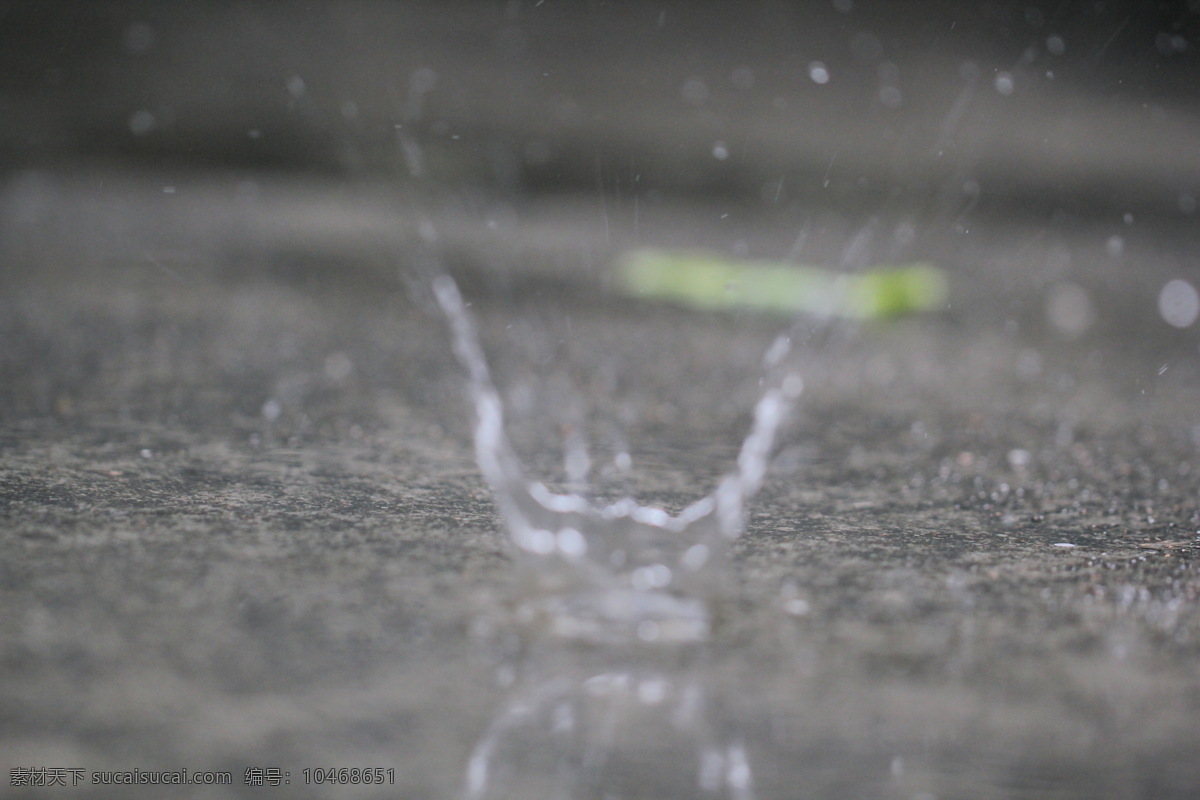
[712, 281]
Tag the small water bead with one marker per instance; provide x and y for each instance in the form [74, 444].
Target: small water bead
[1179, 303]
[606, 683]
[655, 576]
[537, 540]
[648, 630]
[571, 543]
[797, 606]
[695, 557]
[564, 719]
[653, 691]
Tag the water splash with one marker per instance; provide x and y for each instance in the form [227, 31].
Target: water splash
[615, 702]
[629, 568]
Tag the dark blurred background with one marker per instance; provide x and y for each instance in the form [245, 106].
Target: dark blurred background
[1059, 103]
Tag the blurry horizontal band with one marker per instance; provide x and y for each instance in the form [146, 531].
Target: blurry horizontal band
[712, 281]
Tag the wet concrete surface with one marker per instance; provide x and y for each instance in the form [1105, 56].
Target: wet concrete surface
[242, 526]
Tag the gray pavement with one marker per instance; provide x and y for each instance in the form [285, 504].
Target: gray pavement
[241, 525]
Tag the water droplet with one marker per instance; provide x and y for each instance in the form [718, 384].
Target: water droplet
[422, 80]
[1019, 458]
[712, 763]
[139, 37]
[652, 692]
[538, 540]
[655, 576]
[1029, 364]
[564, 719]
[271, 410]
[695, 92]
[142, 122]
[1169, 44]
[720, 151]
[737, 769]
[695, 557]
[338, 367]
[1069, 308]
[571, 543]
[1004, 83]
[1179, 303]
[797, 607]
[818, 72]
[742, 78]
[866, 47]
[648, 630]
[1055, 45]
